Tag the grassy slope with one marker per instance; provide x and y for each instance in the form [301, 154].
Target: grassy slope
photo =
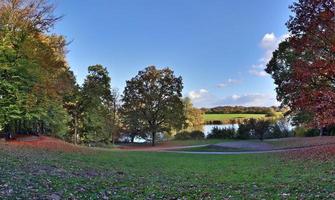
[128, 175]
[212, 117]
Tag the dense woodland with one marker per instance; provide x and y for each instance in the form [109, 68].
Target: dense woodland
[39, 93]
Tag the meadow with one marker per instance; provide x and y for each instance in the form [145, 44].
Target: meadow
[113, 174]
[227, 118]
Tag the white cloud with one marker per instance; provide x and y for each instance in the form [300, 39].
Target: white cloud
[194, 95]
[233, 81]
[228, 82]
[222, 85]
[203, 98]
[253, 99]
[235, 96]
[269, 43]
[258, 70]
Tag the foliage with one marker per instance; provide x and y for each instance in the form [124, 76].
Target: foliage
[239, 110]
[303, 65]
[97, 102]
[222, 133]
[262, 129]
[186, 135]
[152, 100]
[34, 74]
[194, 116]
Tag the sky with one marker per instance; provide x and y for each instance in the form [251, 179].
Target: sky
[219, 47]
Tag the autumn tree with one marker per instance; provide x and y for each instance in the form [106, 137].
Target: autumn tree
[153, 100]
[33, 69]
[304, 65]
[194, 116]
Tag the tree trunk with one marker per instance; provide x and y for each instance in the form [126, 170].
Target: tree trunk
[75, 129]
[132, 138]
[153, 138]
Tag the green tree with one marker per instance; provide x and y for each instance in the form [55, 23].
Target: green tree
[97, 101]
[33, 70]
[153, 100]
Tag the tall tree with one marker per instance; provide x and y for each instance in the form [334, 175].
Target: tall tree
[97, 99]
[304, 66]
[34, 71]
[153, 99]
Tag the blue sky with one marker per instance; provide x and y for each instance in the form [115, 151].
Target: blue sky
[219, 47]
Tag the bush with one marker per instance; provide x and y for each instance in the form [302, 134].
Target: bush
[222, 133]
[197, 135]
[186, 135]
[246, 129]
[262, 129]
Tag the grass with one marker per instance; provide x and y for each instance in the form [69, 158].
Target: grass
[219, 117]
[211, 148]
[28, 173]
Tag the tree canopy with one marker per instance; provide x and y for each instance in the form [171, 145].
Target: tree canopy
[303, 66]
[152, 101]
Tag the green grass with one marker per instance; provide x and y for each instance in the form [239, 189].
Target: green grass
[211, 148]
[38, 174]
[219, 117]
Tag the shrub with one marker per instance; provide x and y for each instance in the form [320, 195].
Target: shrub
[262, 129]
[279, 129]
[245, 129]
[299, 131]
[222, 133]
[197, 135]
[186, 135]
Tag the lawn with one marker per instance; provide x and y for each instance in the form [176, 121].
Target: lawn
[30, 173]
[220, 117]
[212, 148]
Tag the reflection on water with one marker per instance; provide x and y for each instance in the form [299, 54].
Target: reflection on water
[207, 129]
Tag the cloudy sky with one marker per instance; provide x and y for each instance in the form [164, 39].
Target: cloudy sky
[219, 47]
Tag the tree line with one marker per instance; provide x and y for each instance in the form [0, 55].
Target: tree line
[241, 110]
[39, 93]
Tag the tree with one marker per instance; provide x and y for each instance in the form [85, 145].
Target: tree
[303, 66]
[96, 102]
[153, 100]
[74, 106]
[33, 69]
[194, 116]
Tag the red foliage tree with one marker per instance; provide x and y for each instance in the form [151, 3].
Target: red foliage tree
[312, 82]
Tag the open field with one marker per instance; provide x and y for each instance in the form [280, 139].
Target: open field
[82, 173]
[220, 117]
